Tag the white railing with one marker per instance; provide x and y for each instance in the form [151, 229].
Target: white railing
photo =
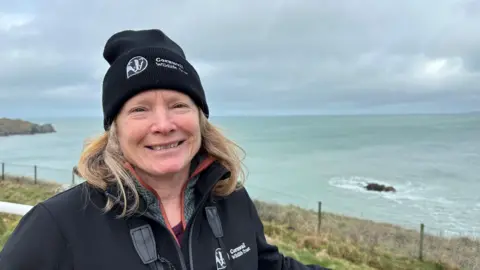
[14, 208]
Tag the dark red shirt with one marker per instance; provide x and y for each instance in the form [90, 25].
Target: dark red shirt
[178, 230]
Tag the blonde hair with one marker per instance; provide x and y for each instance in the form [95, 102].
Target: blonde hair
[102, 163]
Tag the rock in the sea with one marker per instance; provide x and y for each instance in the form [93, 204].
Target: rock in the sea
[380, 187]
[20, 127]
[46, 128]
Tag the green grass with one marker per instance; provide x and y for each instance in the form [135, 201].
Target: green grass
[364, 242]
[337, 254]
[20, 190]
[23, 190]
[343, 243]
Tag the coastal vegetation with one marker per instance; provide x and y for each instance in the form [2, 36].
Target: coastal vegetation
[10, 127]
[342, 242]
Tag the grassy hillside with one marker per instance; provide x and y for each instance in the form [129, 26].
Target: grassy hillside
[344, 242]
[364, 242]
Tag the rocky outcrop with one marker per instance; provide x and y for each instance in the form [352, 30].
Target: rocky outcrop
[380, 187]
[20, 127]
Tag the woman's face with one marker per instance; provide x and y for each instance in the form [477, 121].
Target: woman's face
[159, 132]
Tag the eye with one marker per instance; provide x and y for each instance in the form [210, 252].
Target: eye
[180, 105]
[137, 109]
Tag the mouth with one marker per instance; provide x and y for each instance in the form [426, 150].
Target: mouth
[167, 146]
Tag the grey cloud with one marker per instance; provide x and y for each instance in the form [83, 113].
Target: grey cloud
[261, 55]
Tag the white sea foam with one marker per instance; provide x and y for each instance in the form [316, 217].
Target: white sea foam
[405, 191]
[421, 197]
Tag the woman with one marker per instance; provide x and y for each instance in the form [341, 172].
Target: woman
[163, 186]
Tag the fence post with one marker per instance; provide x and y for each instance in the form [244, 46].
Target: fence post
[319, 217]
[3, 170]
[420, 250]
[35, 173]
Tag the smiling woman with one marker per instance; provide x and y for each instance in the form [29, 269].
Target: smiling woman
[161, 130]
[164, 185]
[159, 134]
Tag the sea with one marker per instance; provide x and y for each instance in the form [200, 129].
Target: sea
[433, 162]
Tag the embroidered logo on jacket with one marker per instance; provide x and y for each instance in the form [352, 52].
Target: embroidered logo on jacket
[220, 259]
[232, 254]
[239, 251]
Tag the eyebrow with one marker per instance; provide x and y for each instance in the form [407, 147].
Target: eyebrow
[168, 99]
[178, 98]
[139, 101]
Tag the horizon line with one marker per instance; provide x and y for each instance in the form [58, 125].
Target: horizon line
[278, 114]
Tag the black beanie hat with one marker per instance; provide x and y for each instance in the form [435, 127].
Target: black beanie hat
[143, 60]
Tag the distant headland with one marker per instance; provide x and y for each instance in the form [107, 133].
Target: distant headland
[21, 127]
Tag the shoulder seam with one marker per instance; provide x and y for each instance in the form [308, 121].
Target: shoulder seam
[42, 205]
[71, 189]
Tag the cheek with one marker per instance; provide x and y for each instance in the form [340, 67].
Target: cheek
[198, 136]
[195, 130]
[135, 136]
[190, 124]
[130, 137]
[192, 127]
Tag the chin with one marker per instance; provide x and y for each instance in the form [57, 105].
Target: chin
[167, 167]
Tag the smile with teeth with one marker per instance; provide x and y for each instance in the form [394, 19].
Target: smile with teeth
[164, 146]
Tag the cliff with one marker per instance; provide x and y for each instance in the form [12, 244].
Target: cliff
[21, 127]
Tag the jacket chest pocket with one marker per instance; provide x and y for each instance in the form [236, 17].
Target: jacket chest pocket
[235, 245]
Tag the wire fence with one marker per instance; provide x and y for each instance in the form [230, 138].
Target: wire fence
[456, 248]
[39, 173]
[462, 247]
[361, 240]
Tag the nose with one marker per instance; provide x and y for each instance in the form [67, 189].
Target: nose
[162, 122]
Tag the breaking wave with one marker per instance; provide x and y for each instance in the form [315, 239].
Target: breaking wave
[406, 191]
[432, 207]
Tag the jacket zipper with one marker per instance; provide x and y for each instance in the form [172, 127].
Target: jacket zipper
[192, 225]
[190, 252]
[190, 235]
[177, 247]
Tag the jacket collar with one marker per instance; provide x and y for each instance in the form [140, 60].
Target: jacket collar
[205, 173]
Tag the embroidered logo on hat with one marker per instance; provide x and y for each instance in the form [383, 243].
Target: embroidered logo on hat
[136, 65]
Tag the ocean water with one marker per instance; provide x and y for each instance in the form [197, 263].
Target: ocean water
[432, 160]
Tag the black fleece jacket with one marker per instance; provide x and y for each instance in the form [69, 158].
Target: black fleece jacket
[70, 231]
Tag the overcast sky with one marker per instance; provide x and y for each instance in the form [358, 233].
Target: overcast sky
[297, 56]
